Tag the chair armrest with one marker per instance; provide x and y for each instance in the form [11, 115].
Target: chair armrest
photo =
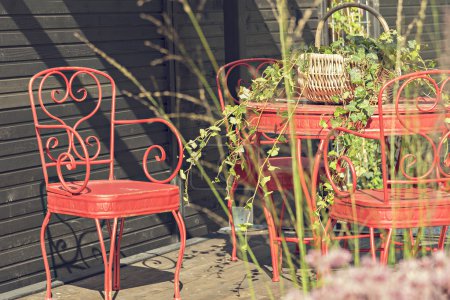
[340, 160]
[162, 157]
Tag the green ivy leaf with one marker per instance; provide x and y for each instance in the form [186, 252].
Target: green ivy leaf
[273, 151]
[264, 180]
[323, 124]
[272, 168]
[339, 111]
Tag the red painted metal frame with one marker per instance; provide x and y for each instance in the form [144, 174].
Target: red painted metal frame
[254, 67]
[403, 203]
[389, 119]
[281, 178]
[99, 199]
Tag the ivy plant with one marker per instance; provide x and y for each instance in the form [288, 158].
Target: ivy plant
[365, 60]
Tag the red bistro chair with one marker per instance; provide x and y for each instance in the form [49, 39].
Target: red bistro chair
[413, 195]
[281, 178]
[108, 199]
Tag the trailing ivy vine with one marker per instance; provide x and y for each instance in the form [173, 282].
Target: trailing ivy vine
[369, 63]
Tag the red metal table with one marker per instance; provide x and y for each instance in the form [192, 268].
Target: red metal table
[419, 115]
[270, 118]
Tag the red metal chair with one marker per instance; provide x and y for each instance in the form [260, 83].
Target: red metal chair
[108, 199]
[414, 194]
[228, 79]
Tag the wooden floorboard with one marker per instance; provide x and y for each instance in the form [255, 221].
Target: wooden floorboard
[207, 273]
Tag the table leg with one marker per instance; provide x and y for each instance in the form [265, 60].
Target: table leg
[310, 194]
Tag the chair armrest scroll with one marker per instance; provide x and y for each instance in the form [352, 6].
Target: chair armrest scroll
[343, 163]
[162, 156]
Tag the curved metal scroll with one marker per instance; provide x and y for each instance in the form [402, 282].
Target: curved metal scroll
[410, 114]
[162, 156]
[47, 95]
[254, 67]
[341, 161]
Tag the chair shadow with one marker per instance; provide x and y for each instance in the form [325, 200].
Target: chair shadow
[130, 277]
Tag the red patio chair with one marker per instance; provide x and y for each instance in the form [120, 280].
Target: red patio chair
[228, 79]
[413, 195]
[108, 199]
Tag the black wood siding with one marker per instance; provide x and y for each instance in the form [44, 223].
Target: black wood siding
[434, 25]
[204, 203]
[39, 34]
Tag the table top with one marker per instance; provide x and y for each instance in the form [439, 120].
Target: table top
[267, 117]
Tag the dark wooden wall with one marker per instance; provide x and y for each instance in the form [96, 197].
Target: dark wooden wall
[39, 34]
[434, 27]
[257, 32]
[211, 18]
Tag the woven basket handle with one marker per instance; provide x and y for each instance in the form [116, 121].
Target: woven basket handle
[369, 9]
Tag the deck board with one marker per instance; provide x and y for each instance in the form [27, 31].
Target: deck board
[207, 273]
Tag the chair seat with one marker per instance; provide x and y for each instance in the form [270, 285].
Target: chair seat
[406, 208]
[113, 199]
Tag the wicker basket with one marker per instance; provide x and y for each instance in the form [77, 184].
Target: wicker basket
[326, 76]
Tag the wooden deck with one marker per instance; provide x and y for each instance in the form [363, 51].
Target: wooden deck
[207, 273]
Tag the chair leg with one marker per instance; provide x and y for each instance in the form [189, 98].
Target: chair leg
[116, 264]
[48, 295]
[107, 261]
[324, 243]
[283, 209]
[372, 244]
[182, 229]
[274, 245]
[442, 236]
[230, 218]
[386, 243]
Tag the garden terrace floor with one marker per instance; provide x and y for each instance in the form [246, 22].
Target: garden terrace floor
[207, 273]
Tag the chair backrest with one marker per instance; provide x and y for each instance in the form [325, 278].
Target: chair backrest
[87, 88]
[237, 73]
[414, 131]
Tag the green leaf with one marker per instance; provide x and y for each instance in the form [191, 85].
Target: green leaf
[412, 44]
[242, 227]
[233, 121]
[272, 168]
[264, 180]
[351, 107]
[355, 76]
[335, 123]
[273, 151]
[268, 193]
[214, 128]
[360, 92]
[339, 111]
[182, 175]
[328, 186]
[193, 144]
[323, 124]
